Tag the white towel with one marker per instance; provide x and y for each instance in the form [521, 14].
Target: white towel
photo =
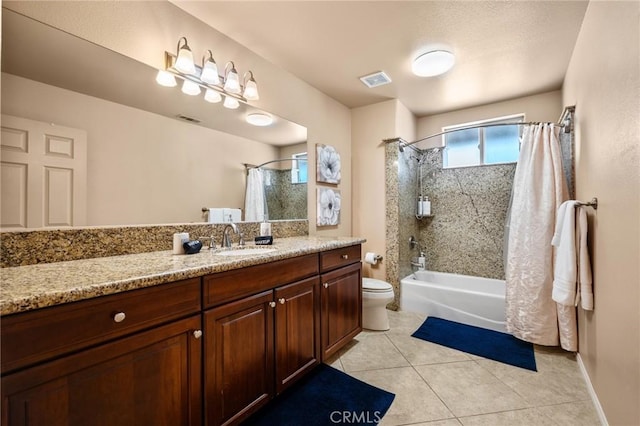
[585, 291]
[565, 266]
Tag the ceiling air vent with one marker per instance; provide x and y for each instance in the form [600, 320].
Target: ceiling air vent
[376, 79]
[186, 118]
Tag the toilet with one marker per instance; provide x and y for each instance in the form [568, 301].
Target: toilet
[375, 296]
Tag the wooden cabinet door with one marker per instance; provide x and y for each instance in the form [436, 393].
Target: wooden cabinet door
[239, 373]
[149, 378]
[297, 330]
[341, 299]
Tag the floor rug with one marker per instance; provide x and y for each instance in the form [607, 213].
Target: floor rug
[326, 396]
[490, 344]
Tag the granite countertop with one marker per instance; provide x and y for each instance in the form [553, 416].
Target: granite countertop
[25, 288]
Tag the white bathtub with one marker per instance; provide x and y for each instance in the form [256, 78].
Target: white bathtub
[461, 298]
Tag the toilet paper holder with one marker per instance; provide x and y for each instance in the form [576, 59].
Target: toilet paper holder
[372, 258]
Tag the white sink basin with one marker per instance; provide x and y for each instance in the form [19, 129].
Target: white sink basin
[245, 251]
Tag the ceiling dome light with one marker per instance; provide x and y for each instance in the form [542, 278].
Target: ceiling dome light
[259, 119]
[433, 63]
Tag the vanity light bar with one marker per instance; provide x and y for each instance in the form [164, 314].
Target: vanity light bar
[170, 61]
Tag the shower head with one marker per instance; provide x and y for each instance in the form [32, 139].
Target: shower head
[401, 148]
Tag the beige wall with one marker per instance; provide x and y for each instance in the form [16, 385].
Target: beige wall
[542, 107]
[144, 30]
[369, 126]
[143, 168]
[603, 81]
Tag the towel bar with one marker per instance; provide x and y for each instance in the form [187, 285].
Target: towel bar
[593, 203]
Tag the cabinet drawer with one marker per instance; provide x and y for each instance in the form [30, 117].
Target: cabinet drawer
[232, 285]
[31, 337]
[339, 257]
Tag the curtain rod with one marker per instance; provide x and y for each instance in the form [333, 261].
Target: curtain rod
[251, 166]
[405, 144]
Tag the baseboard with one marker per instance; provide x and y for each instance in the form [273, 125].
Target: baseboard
[592, 392]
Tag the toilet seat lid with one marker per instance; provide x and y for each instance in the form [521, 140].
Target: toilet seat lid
[371, 284]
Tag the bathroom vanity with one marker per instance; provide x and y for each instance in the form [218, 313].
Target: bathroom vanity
[210, 340]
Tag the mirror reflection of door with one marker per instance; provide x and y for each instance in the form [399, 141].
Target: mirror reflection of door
[44, 173]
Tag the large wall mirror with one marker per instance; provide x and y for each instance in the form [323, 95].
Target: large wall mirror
[153, 154]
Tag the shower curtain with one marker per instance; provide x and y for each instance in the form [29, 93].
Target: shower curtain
[255, 205]
[539, 187]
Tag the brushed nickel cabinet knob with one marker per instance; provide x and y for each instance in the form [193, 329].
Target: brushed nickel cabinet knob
[281, 300]
[197, 334]
[119, 317]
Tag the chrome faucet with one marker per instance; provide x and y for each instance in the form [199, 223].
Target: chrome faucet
[226, 238]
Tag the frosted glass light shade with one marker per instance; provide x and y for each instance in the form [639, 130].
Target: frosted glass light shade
[232, 83]
[433, 63]
[190, 88]
[165, 78]
[212, 96]
[251, 91]
[230, 102]
[184, 62]
[210, 73]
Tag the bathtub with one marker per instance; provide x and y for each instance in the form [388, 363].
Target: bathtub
[461, 298]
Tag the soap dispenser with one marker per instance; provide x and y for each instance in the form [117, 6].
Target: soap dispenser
[265, 228]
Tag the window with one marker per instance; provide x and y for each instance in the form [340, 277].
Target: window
[299, 168]
[482, 145]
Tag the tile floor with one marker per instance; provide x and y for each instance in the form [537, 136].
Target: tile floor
[438, 386]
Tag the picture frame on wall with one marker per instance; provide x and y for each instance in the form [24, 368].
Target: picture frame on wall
[328, 207]
[328, 166]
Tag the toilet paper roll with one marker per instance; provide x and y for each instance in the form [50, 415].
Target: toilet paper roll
[371, 258]
[178, 240]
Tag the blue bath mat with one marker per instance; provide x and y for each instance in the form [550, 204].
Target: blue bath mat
[326, 396]
[501, 347]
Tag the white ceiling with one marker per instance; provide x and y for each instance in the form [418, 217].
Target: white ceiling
[504, 49]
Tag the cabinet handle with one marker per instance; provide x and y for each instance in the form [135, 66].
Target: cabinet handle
[197, 334]
[119, 317]
[345, 256]
[326, 285]
[281, 300]
[272, 304]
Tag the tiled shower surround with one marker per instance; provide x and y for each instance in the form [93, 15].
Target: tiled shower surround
[469, 205]
[285, 200]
